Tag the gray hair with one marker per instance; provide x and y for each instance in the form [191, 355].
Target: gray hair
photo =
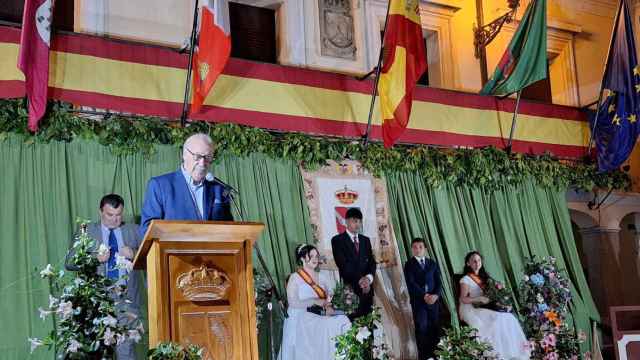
[198, 136]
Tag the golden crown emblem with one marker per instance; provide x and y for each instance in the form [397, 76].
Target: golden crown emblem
[204, 284]
[203, 69]
[346, 196]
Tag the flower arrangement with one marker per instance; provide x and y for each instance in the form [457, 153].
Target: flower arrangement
[464, 344]
[545, 295]
[344, 298]
[499, 295]
[90, 310]
[365, 340]
[173, 351]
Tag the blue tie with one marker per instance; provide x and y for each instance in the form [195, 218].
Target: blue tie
[112, 272]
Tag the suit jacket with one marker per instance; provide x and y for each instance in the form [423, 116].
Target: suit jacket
[131, 239]
[168, 197]
[417, 278]
[353, 267]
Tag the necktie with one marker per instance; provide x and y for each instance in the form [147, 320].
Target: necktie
[422, 263]
[357, 244]
[112, 272]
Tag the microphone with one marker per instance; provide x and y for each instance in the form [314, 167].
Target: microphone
[210, 177]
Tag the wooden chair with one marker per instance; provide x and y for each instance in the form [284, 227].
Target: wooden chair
[625, 323]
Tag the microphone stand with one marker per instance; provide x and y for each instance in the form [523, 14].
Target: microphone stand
[272, 290]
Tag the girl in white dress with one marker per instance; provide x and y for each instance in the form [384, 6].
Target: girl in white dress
[307, 335]
[500, 329]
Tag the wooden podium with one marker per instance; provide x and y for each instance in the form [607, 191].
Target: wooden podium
[200, 285]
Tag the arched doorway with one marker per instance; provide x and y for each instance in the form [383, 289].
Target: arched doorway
[628, 257]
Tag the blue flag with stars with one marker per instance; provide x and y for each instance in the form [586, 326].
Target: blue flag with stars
[617, 128]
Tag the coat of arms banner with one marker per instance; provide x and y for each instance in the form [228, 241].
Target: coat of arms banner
[330, 192]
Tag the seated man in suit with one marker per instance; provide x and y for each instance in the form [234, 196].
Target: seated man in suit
[423, 281]
[121, 239]
[353, 255]
[191, 192]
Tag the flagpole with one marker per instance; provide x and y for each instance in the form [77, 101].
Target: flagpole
[378, 69]
[513, 123]
[595, 122]
[606, 63]
[187, 86]
[515, 112]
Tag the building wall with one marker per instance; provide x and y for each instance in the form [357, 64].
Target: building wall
[609, 244]
[629, 260]
[167, 23]
[582, 27]
[578, 40]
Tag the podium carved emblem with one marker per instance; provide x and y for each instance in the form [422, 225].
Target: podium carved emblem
[204, 284]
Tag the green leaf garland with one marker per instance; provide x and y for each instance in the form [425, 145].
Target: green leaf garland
[488, 167]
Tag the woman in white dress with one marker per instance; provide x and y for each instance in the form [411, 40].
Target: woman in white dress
[500, 329]
[307, 335]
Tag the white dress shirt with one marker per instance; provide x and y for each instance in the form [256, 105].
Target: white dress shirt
[352, 237]
[197, 193]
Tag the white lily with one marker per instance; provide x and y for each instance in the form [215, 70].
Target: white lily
[53, 302]
[47, 271]
[73, 346]
[135, 335]
[43, 313]
[109, 337]
[123, 263]
[120, 338]
[363, 334]
[103, 250]
[34, 343]
[110, 321]
[65, 309]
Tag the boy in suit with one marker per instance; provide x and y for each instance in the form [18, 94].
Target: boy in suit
[423, 281]
[353, 255]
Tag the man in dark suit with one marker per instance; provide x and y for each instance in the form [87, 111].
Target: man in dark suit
[191, 192]
[120, 239]
[353, 255]
[423, 281]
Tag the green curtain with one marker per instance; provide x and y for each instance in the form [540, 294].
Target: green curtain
[271, 192]
[45, 187]
[505, 225]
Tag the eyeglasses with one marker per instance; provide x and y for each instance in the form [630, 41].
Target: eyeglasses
[197, 157]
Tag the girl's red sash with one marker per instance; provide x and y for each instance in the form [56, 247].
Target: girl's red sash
[309, 280]
[477, 280]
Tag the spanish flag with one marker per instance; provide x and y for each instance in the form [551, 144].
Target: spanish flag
[404, 62]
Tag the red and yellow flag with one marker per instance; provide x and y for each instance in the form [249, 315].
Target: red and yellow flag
[403, 63]
[212, 53]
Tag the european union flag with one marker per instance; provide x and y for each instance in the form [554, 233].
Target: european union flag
[617, 128]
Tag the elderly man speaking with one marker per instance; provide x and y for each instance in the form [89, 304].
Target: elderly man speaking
[188, 193]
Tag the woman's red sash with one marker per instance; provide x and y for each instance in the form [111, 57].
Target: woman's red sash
[477, 280]
[309, 280]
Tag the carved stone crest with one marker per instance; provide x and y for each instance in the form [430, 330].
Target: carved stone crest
[337, 29]
[412, 6]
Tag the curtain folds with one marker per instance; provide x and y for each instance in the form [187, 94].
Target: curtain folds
[45, 187]
[505, 225]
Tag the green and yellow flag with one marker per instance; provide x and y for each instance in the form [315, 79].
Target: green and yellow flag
[525, 60]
